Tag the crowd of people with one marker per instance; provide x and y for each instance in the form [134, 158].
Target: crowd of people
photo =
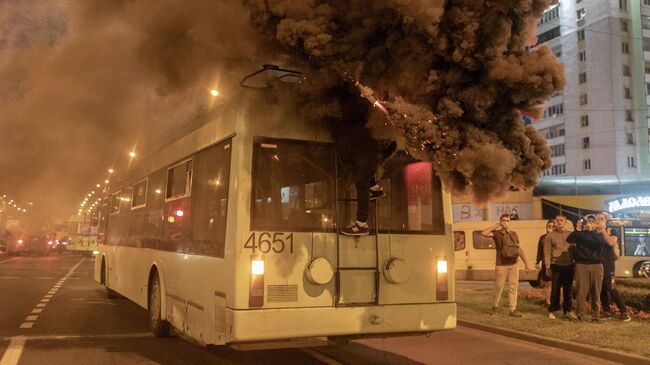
[585, 256]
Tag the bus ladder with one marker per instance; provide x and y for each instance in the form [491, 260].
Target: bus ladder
[343, 240]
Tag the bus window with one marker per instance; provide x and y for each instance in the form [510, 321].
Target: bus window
[413, 202]
[481, 242]
[292, 185]
[210, 201]
[115, 202]
[179, 180]
[139, 198]
[459, 240]
[637, 241]
[154, 209]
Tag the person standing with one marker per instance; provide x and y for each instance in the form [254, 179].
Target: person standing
[559, 262]
[588, 255]
[507, 254]
[610, 255]
[544, 275]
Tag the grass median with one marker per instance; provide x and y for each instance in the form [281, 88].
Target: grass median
[474, 303]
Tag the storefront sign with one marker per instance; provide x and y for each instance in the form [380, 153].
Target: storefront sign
[628, 203]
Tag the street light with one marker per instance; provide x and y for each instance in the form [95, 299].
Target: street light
[132, 154]
[214, 92]
[110, 171]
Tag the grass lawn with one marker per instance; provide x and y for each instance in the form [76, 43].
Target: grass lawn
[474, 303]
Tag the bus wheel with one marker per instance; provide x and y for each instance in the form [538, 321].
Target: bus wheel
[159, 327]
[110, 294]
[642, 270]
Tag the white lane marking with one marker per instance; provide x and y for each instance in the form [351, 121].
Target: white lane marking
[37, 310]
[82, 337]
[31, 318]
[11, 277]
[11, 259]
[321, 357]
[45, 300]
[48, 296]
[27, 325]
[41, 305]
[15, 349]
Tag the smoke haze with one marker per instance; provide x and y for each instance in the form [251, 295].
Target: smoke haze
[83, 82]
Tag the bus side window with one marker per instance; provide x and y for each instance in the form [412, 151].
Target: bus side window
[459, 240]
[481, 242]
[210, 201]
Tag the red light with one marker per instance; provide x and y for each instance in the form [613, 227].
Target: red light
[179, 213]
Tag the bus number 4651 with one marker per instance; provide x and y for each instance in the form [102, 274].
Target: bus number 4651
[266, 242]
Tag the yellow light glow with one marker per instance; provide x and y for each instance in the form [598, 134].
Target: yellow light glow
[257, 267]
[132, 154]
[106, 181]
[110, 171]
[158, 191]
[442, 266]
[214, 92]
[99, 186]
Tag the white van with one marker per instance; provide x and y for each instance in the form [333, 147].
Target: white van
[476, 254]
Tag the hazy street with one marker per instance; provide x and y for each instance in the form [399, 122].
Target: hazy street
[79, 325]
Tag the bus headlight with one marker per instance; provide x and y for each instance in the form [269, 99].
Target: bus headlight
[256, 288]
[442, 284]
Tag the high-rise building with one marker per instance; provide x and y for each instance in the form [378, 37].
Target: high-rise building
[599, 124]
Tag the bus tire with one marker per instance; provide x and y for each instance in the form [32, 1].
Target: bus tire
[110, 294]
[534, 283]
[639, 271]
[159, 327]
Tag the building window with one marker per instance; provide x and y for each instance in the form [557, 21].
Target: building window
[554, 111]
[586, 164]
[557, 51]
[582, 77]
[558, 169]
[628, 116]
[647, 67]
[631, 161]
[627, 92]
[622, 4]
[646, 44]
[647, 87]
[646, 2]
[581, 35]
[645, 22]
[558, 150]
[548, 35]
[581, 13]
[550, 14]
[626, 70]
[584, 121]
[582, 56]
[583, 99]
[630, 138]
[585, 142]
[623, 25]
[625, 47]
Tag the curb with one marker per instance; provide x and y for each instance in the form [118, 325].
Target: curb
[611, 355]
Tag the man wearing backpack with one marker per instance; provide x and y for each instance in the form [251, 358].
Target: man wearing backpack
[507, 253]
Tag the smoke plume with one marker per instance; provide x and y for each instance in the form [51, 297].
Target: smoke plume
[453, 78]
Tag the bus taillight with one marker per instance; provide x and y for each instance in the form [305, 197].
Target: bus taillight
[256, 290]
[442, 285]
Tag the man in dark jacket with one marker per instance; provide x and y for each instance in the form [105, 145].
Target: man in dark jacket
[544, 276]
[588, 255]
[610, 256]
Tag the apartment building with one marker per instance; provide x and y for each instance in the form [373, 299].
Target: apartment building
[599, 124]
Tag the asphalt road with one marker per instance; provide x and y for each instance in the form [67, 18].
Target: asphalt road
[52, 312]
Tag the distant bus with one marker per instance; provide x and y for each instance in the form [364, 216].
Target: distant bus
[634, 244]
[82, 234]
[229, 235]
[476, 254]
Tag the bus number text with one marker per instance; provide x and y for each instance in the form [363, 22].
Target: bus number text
[266, 242]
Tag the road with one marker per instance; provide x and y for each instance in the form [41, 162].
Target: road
[52, 312]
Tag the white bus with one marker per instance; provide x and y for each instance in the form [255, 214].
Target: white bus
[229, 235]
[634, 246]
[476, 254]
